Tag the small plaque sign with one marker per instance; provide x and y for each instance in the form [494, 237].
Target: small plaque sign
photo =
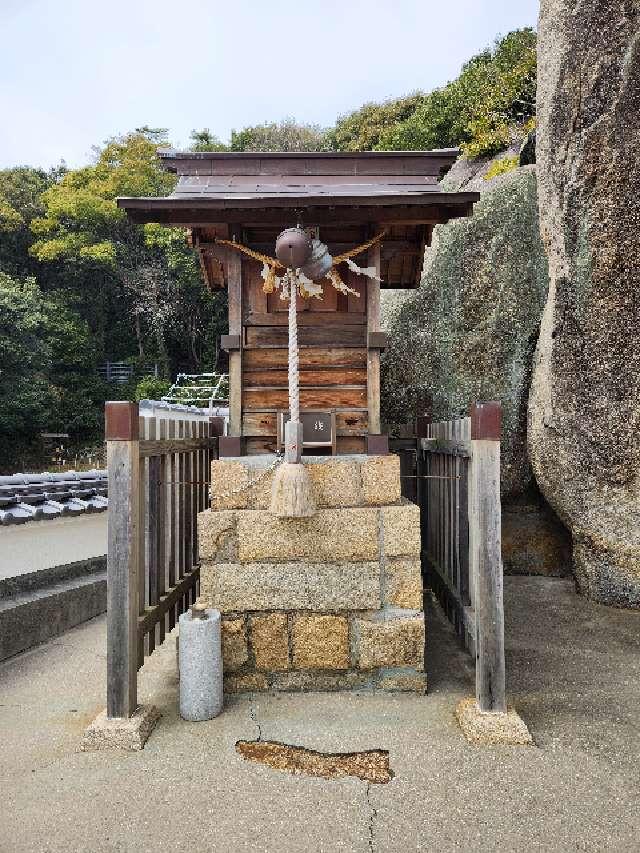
[317, 428]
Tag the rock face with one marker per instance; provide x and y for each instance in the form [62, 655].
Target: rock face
[584, 408]
[469, 332]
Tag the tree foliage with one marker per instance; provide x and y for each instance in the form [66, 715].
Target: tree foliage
[204, 140]
[106, 290]
[151, 271]
[363, 129]
[488, 106]
[48, 378]
[285, 135]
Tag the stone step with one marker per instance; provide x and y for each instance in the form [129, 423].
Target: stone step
[41, 605]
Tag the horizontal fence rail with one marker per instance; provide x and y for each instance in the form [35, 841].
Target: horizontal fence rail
[159, 474]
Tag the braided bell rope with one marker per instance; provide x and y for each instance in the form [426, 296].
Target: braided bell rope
[294, 378]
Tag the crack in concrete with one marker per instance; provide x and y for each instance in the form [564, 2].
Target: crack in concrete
[372, 818]
[253, 715]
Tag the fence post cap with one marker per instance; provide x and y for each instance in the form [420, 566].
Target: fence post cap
[486, 420]
[121, 421]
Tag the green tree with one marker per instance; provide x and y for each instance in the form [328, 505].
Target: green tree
[149, 276]
[285, 135]
[21, 189]
[363, 129]
[485, 109]
[26, 396]
[84, 227]
[204, 140]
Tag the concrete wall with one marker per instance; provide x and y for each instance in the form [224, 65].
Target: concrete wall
[58, 542]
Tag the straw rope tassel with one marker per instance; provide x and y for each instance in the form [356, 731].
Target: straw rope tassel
[292, 491]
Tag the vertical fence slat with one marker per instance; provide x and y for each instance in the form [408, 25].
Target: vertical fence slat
[143, 642]
[162, 526]
[123, 464]
[463, 532]
[171, 521]
[188, 502]
[153, 529]
[195, 464]
[180, 514]
[485, 522]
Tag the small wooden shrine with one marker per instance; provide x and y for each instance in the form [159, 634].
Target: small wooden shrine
[345, 200]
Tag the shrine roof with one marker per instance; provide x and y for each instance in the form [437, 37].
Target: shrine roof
[226, 186]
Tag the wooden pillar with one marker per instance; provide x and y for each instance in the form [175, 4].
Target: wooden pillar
[373, 353]
[123, 465]
[485, 533]
[234, 283]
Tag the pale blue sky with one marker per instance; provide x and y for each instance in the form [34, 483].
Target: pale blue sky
[74, 72]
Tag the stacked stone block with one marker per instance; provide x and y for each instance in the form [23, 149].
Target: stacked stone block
[328, 602]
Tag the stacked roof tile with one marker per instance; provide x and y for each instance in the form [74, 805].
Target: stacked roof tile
[29, 497]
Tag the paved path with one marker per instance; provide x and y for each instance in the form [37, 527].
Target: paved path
[43, 544]
[574, 672]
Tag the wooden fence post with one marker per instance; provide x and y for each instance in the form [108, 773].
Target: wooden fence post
[123, 464]
[486, 560]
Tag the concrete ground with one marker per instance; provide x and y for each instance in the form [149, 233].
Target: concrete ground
[573, 670]
[51, 542]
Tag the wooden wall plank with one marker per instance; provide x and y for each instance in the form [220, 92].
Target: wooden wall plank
[306, 318]
[315, 336]
[255, 399]
[260, 445]
[330, 376]
[350, 444]
[310, 357]
[263, 424]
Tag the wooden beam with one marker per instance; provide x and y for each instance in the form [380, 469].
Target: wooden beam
[194, 217]
[234, 280]
[123, 466]
[229, 342]
[486, 559]
[152, 615]
[373, 354]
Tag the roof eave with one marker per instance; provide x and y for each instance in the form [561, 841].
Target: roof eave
[291, 201]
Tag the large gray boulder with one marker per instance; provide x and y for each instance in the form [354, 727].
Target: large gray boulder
[584, 408]
[469, 332]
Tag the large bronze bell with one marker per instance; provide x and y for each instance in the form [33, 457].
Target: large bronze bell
[293, 247]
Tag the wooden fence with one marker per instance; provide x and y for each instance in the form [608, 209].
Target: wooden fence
[159, 470]
[457, 486]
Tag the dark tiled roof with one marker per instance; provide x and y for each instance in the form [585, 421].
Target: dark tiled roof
[284, 179]
[29, 497]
